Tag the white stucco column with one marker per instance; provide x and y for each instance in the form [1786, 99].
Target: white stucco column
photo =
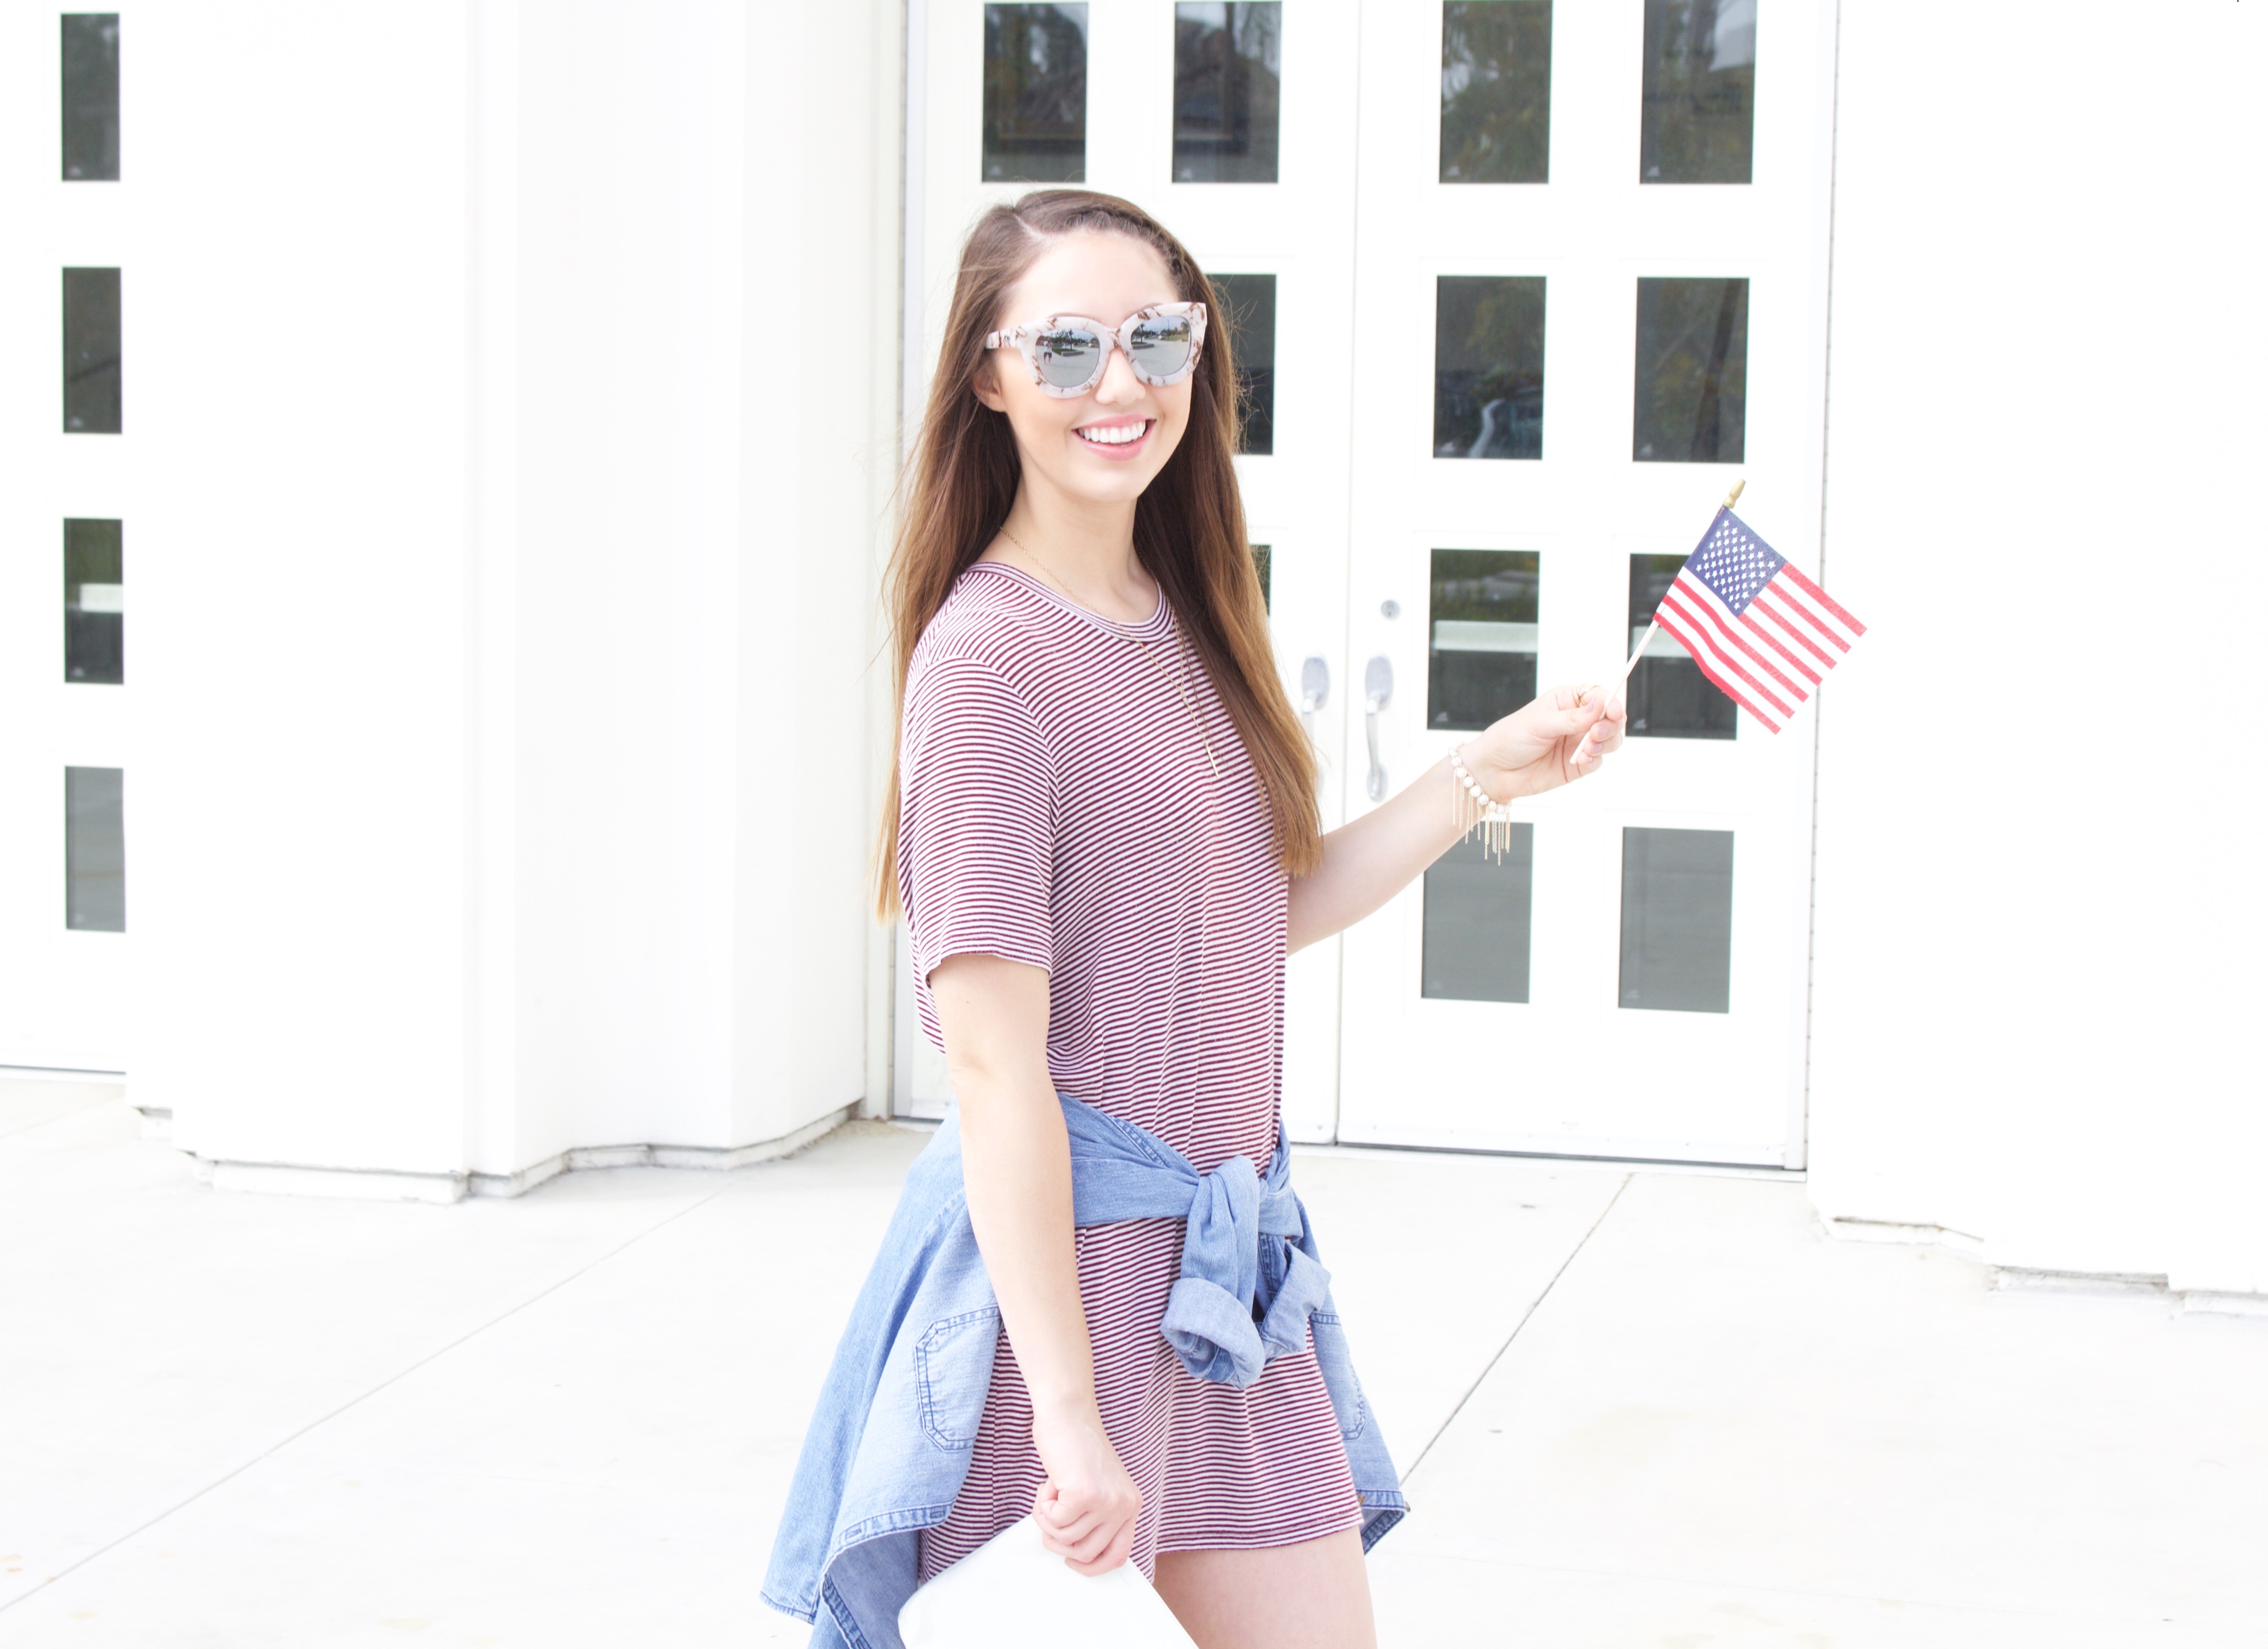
[521, 385]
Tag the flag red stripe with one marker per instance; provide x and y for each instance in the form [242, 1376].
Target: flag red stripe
[1731, 689]
[1708, 610]
[1747, 621]
[1792, 601]
[1791, 571]
[1702, 646]
[1771, 611]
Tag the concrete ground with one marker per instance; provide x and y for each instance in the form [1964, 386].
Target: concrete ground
[1635, 1408]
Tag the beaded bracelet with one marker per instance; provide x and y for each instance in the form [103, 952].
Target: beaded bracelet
[1470, 806]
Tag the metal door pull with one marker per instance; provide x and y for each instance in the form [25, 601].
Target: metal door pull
[1314, 688]
[1377, 688]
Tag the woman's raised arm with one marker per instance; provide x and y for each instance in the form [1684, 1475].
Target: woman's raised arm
[1563, 735]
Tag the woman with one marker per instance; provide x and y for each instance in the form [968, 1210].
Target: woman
[1094, 1305]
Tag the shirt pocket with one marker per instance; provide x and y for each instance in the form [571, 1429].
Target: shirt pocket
[953, 1360]
[1336, 1363]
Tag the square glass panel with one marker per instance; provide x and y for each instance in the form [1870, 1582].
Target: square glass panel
[94, 849]
[1697, 122]
[1249, 303]
[89, 96]
[1034, 93]
[1496, 92]
[1480, 660]
[1262, 563]
[1692, 391]
[1488, 366]
[1228, 69]
[1677, 920]
[94, 602]
[1477, 909]
[1668, 695]
[93, 401]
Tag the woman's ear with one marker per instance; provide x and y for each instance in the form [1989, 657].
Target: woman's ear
[986, 382]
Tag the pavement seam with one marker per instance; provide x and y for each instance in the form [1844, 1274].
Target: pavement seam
[396, 1377]
[1534, 1306]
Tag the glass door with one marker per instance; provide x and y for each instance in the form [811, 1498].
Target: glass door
[1589, 295]
[1229, 122]
[63, 655]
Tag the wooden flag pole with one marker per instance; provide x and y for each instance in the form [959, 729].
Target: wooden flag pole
[1731, 499]
[1638, 651]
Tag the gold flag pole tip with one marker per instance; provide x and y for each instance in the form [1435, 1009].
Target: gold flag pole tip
[1733, 496]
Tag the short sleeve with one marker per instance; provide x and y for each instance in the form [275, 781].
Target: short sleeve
[975, 819]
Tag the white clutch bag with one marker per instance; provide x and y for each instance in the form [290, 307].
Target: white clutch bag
[1011, 1593]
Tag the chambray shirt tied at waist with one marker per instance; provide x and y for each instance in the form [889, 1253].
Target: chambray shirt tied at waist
[1242, 1300]
[889, 1445]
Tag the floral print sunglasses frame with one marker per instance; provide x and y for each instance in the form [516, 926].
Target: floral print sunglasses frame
[1031, 342]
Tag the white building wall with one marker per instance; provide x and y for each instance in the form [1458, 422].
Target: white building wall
[296, 346]
[497, 620]
[2037, 966]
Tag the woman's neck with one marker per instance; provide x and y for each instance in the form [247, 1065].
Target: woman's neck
[1085, 553]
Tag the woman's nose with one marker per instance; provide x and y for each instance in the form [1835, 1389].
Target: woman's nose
[1118, 383]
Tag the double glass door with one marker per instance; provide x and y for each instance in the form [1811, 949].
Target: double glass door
[1523, 289]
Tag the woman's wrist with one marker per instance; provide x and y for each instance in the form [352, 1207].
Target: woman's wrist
[1067, 1404]
[1499, 783]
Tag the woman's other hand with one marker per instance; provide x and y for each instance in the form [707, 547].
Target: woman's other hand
[1088, 1504]
[1563, 735]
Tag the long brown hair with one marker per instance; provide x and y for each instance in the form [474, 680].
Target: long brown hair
[1188, 524]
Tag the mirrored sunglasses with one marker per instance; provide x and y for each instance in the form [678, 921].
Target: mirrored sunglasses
[1067, 353]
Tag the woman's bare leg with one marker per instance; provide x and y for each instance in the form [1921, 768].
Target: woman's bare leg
[1314, 1595]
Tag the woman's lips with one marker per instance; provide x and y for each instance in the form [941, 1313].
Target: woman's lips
[1120, 451]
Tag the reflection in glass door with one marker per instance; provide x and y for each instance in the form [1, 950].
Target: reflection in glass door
[1593, 248]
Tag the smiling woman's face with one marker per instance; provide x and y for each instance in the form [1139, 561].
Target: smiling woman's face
[1107, 446]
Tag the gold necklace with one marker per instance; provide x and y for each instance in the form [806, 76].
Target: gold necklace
[1181, 663]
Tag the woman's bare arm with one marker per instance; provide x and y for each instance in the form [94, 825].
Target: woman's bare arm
[1563, 735]
[1016, 1165]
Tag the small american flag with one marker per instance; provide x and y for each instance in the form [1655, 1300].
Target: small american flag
[1758, 628]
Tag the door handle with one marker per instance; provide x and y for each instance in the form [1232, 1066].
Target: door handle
[1377, 688]
[1314, 688]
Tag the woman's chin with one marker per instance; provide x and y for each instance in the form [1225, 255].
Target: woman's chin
[1103, 480]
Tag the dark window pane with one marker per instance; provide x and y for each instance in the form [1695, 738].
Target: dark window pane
[1481, 656]
[93, 401]
[89, 96]
[1228, 66]
[1034, 93]
[1262, 560]
[1697, 119]
[1677, 920]
[1668, 695]
[94, 849]
[1476, 920]
[1692, 404]
[1496, 92]
[1249, 305]
[1488, 366]
[94, 602]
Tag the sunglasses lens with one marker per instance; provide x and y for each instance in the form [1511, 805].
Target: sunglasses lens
[1069, 356]
[1163, 344]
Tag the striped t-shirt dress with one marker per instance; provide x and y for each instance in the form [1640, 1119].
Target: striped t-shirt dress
[1075, 796]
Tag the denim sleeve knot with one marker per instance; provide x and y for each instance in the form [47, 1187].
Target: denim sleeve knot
[1247, 1285]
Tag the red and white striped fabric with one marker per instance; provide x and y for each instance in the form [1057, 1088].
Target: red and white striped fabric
[1061, 807]
[1755, 625]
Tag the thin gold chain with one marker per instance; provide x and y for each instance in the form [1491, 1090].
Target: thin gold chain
[1181, 661]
